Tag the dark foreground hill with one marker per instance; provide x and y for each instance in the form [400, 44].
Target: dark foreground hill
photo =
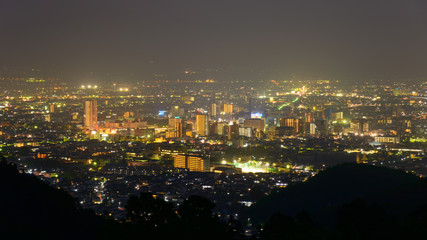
[30, 209]
[349, 201]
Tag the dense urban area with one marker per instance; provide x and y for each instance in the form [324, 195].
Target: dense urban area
[231, 142]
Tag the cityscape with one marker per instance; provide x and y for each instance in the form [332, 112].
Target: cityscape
[232, 144]
[243, 141]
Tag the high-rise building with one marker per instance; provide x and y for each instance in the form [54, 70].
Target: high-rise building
[174, 121]
[295, 123]
[258, 124]
[359, 126]
[180, 161]
[337, 116]
[201, 125]
[220, 128]
[245, 131]
[192, 163]
[313, 129]
[233, 131]
[228, 109]
[52, 108]
[90, 114]
[309, 117]
[321, 127]
[179, 130]
[214, 109]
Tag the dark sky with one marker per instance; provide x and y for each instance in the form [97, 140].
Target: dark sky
[313, 38]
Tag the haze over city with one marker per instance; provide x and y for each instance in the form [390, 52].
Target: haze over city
[133, 40]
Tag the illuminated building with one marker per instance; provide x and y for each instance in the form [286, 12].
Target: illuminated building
[47, 117]
[201, 125]
[192, 163]
[225, 168]
[179, 130]
[174, 121]
[257, 124]
[214, 109]
[381, 139]
[245, 131]
[309, 117]
[359, 126]
[313, 129]
[220, 128]
[180, 161]
[51, 108]
[90, 114]
[228, 109]
[170, 134]
[296, 124]
[365, 127]
[132, 124]
[337, 116]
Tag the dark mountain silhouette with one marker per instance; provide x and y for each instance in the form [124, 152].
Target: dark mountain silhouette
[29, 208]
[348, 201]
[341, 184]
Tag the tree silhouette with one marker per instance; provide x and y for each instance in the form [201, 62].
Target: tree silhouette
[196, 209]
[278, 227]
[235, 227]
[358, 220]
[149, 211]
[196, 214]
[301, 227]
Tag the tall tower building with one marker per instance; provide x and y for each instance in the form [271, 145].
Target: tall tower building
[201, 125]
[51, 108]
[90, 114]
[214, 109]
[179, 130]
[309, 117]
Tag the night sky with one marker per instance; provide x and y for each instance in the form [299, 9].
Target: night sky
[324, 38]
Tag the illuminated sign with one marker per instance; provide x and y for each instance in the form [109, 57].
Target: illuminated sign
[256, 115]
